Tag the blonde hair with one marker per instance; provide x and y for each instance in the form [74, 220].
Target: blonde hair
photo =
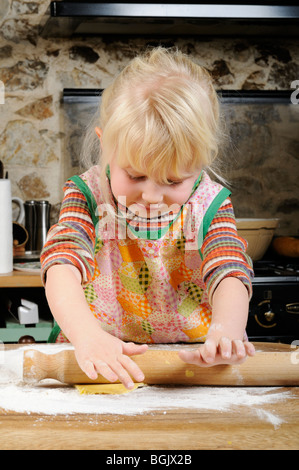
[160, 114]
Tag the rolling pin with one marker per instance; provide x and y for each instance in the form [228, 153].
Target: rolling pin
[272, 365]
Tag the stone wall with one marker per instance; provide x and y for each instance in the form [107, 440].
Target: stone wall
[35, 70]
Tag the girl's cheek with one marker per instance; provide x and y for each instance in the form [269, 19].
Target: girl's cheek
[178, 195]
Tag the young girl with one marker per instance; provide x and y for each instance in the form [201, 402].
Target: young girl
[146, 248]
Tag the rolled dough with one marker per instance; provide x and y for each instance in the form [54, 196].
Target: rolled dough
[105, 389]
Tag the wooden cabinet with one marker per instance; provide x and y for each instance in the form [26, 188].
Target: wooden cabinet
[19, 285]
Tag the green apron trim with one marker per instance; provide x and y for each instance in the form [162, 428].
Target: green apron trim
[153, 234]
[209, 216]
[54, 333]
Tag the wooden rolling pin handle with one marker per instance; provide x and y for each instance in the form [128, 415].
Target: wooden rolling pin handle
[38, 366]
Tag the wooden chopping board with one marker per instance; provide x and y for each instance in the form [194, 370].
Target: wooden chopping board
[273, 365]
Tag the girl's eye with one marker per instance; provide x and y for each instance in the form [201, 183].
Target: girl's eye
[143, 178]
[136, 178]
[174, 183]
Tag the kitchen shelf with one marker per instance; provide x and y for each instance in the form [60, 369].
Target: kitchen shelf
[20, 279]
[14, 331]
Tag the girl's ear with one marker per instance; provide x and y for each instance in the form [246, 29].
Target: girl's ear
[99, 133]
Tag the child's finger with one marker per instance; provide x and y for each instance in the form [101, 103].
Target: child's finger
[208, 351]
[238, 349]
[132, 368]
[249, 347]
[225, 347]
[105, 370]
[130, 349]
[186, 356]
[122, 374]
[89, 369]
[191, 357]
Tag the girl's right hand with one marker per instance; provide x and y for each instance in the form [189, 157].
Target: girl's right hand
[107, 355]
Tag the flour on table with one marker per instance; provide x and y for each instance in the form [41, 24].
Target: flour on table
[50, 397]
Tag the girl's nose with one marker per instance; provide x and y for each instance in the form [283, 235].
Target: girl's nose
[151, 193]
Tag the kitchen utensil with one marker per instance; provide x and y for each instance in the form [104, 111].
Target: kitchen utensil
[258, 233]
[272, 365]
[30, 224]
[21, 215]
[37, 222]
[20, 234]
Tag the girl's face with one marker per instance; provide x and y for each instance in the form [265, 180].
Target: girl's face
[149, 198]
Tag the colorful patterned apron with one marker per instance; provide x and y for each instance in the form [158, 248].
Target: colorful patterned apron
[150, 290]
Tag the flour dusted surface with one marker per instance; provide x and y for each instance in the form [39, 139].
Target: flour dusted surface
[52, 398]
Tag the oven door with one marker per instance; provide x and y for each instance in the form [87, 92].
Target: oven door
[274, 312]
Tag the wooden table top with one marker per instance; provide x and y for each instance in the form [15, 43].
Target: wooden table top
[175, 429]
[274, 425]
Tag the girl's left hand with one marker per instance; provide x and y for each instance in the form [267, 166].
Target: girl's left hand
[221, 351]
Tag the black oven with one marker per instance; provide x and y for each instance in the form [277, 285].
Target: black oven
[274, 306]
